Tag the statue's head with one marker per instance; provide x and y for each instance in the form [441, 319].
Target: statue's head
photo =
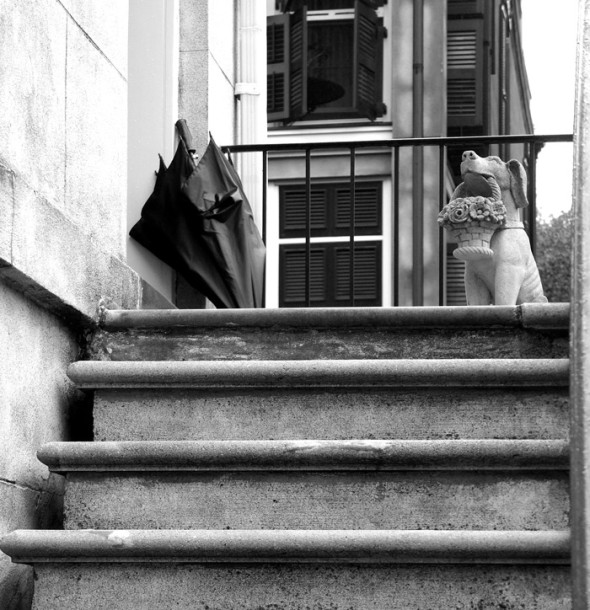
[510, 176]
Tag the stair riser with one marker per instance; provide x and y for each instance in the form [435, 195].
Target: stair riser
[318, 500]
[298, 587]
[324, 344]
[351, 413]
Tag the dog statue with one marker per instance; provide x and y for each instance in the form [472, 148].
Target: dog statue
[511, 276]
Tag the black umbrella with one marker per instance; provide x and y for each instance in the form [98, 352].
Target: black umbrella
[199, 221]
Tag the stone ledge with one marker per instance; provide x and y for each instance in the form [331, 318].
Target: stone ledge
[50, 259]
[320, 373]
[301, 455]
[289, 546]
[546, 315]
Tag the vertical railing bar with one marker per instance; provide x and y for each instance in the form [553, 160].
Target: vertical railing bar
[352, 220]
[441, 240]
[308, 227]
[417, 225]
[396, 226]
[264, 209]
[264, 193]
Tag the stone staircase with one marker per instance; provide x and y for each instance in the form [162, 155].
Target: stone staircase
[315, 459]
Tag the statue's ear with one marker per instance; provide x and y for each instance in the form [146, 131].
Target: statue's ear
[518, 183]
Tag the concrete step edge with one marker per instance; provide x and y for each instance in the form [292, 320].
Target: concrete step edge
[320, 373]
[301, 455]
[529, 315]
[289, 546]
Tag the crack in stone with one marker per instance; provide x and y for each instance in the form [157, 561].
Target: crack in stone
[10, 483]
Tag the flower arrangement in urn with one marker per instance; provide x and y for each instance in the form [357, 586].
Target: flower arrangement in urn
[473, 219]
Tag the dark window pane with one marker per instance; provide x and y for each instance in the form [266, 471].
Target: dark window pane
[330, 63]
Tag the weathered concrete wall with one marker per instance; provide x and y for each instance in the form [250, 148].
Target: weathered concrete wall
[64, 94]
[63, 152]
[63, 142]
[36, 398]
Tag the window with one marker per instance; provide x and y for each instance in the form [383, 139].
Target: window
[330, 248]
[325, 60]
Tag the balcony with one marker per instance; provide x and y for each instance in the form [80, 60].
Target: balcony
[410, 207]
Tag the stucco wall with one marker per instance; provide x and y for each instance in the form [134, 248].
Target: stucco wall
[64, 94]
[63, 142]
[36, 399]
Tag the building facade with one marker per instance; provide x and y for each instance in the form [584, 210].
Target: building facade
[395, 70]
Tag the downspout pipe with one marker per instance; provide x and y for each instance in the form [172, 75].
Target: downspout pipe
[418, 155]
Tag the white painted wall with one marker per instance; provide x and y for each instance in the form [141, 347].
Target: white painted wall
[153, 111]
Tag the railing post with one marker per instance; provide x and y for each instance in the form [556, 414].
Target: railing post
[352, 220]
[395, 226]
[264, 193]
[308, 227]
[442, 255]
[580, 325]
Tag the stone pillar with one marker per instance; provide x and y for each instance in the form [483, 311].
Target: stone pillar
[251, 92]
[580, 323]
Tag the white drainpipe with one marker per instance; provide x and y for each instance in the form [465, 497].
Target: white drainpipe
[250, 90]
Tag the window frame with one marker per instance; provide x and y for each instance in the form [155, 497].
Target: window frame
[367, 76]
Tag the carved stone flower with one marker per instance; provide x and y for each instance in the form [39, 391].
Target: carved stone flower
[475, 209]
[458, 211]
[480, 208]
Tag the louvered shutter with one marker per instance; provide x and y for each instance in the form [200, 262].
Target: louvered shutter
[368, 50]
[330, 210]
[367, 274]
[277, 69]
[367, 209]
[465, 55]
[293, 211]
[298, 68]
[292, 273]
[330, 275]
[286, 70]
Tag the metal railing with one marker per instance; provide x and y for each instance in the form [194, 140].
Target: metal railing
[531, 145]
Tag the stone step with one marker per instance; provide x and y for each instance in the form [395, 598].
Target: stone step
[381, 570]
[320, 373]
[526, 331]
[387, 399]
[314, 484]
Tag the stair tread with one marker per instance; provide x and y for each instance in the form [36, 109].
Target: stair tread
[302, 455]
[529, 315]
[297, 546]
[321, 373]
